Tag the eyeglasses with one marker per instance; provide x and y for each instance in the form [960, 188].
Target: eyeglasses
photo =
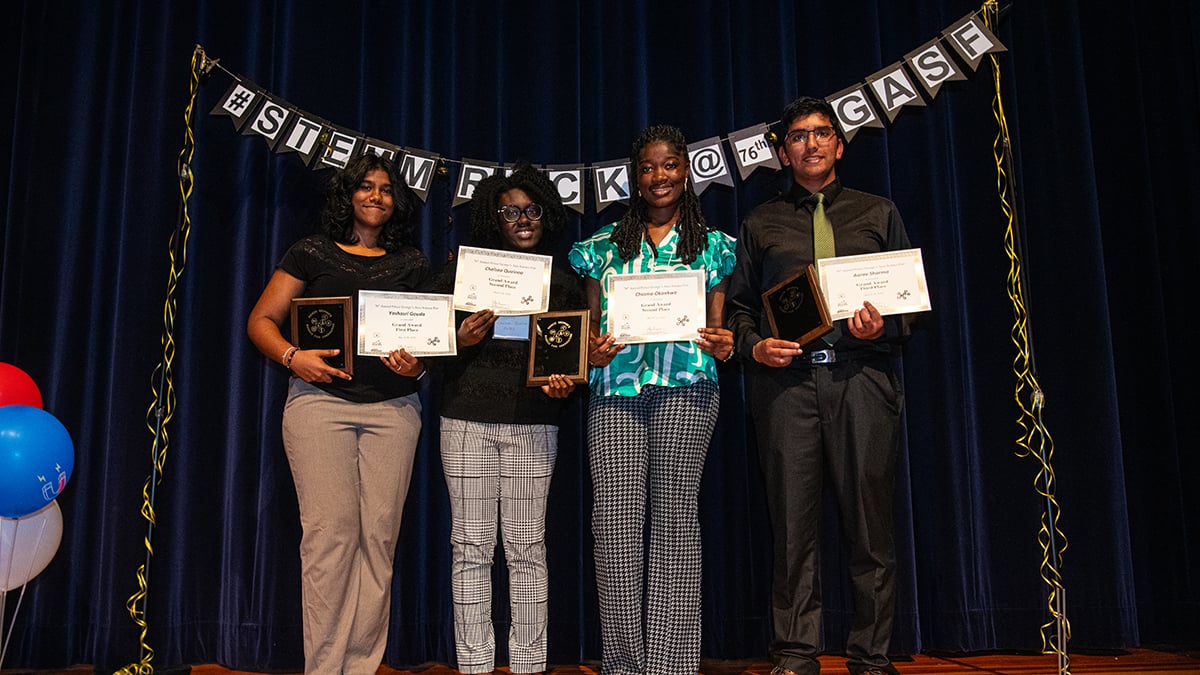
[511, 213]
[800, 136]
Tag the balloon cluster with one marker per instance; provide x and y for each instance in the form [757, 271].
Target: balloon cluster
[36, 459]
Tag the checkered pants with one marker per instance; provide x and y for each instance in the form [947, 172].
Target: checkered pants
[506, 467]
[651, 446]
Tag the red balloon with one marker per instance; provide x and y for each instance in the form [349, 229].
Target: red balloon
[17, 387]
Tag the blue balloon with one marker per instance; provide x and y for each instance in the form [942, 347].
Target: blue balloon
[36, 459]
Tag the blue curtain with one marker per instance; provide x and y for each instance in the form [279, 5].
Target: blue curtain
[1103, 108]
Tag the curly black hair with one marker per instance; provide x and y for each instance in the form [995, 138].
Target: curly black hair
[690, 226]
[485, 222]
[337, 217]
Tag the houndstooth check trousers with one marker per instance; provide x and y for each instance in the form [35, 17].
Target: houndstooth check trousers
[647, 455]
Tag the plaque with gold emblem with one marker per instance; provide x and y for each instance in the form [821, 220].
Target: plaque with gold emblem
[558, 346]
[796, 308]
[325, 323]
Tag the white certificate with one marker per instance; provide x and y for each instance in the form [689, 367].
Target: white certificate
[506, 282]
[656, 307]
[420, 323]
[894, 282]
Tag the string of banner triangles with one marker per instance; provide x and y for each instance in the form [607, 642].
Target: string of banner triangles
[321, 144]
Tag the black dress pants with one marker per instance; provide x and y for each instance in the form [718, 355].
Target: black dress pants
[840, 420]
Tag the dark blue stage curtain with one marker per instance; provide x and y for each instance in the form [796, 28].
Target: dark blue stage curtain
[1103, 108]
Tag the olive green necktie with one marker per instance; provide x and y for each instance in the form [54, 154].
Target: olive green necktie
[823, 247]
[822, 232]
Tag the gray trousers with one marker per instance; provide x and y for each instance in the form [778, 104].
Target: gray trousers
[499, 473]
[351, 463]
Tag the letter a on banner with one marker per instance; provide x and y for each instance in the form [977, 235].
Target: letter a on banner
[708, 165]
[972, 39]
[894, 90]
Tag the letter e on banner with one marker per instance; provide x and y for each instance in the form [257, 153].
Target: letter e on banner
[340, 149]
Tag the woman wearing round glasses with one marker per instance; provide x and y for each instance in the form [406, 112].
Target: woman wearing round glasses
[500, 437]
[651, 416]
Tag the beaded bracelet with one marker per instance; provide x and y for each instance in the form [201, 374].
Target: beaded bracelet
[288, 355]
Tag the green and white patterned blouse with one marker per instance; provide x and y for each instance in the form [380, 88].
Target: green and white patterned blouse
[666, 364]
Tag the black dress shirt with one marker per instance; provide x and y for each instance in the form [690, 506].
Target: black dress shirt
[776, 242]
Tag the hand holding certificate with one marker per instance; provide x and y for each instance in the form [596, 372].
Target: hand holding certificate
[506, 282]
[656, 307]
[420, 323]
[893, 281]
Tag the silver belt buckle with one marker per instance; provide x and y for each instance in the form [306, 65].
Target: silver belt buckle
[822, 356]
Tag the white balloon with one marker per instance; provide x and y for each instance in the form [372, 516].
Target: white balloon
[28, 544]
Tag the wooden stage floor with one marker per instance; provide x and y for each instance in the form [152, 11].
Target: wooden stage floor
[1141, 661]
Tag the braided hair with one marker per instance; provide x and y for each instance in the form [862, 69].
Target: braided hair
[337, 216]
[690, 226]
[485, 224]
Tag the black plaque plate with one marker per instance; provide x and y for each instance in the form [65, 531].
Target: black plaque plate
[796, 308]
[559, 346]
[325, 323]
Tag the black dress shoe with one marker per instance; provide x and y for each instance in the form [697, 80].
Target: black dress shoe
[874, 670]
